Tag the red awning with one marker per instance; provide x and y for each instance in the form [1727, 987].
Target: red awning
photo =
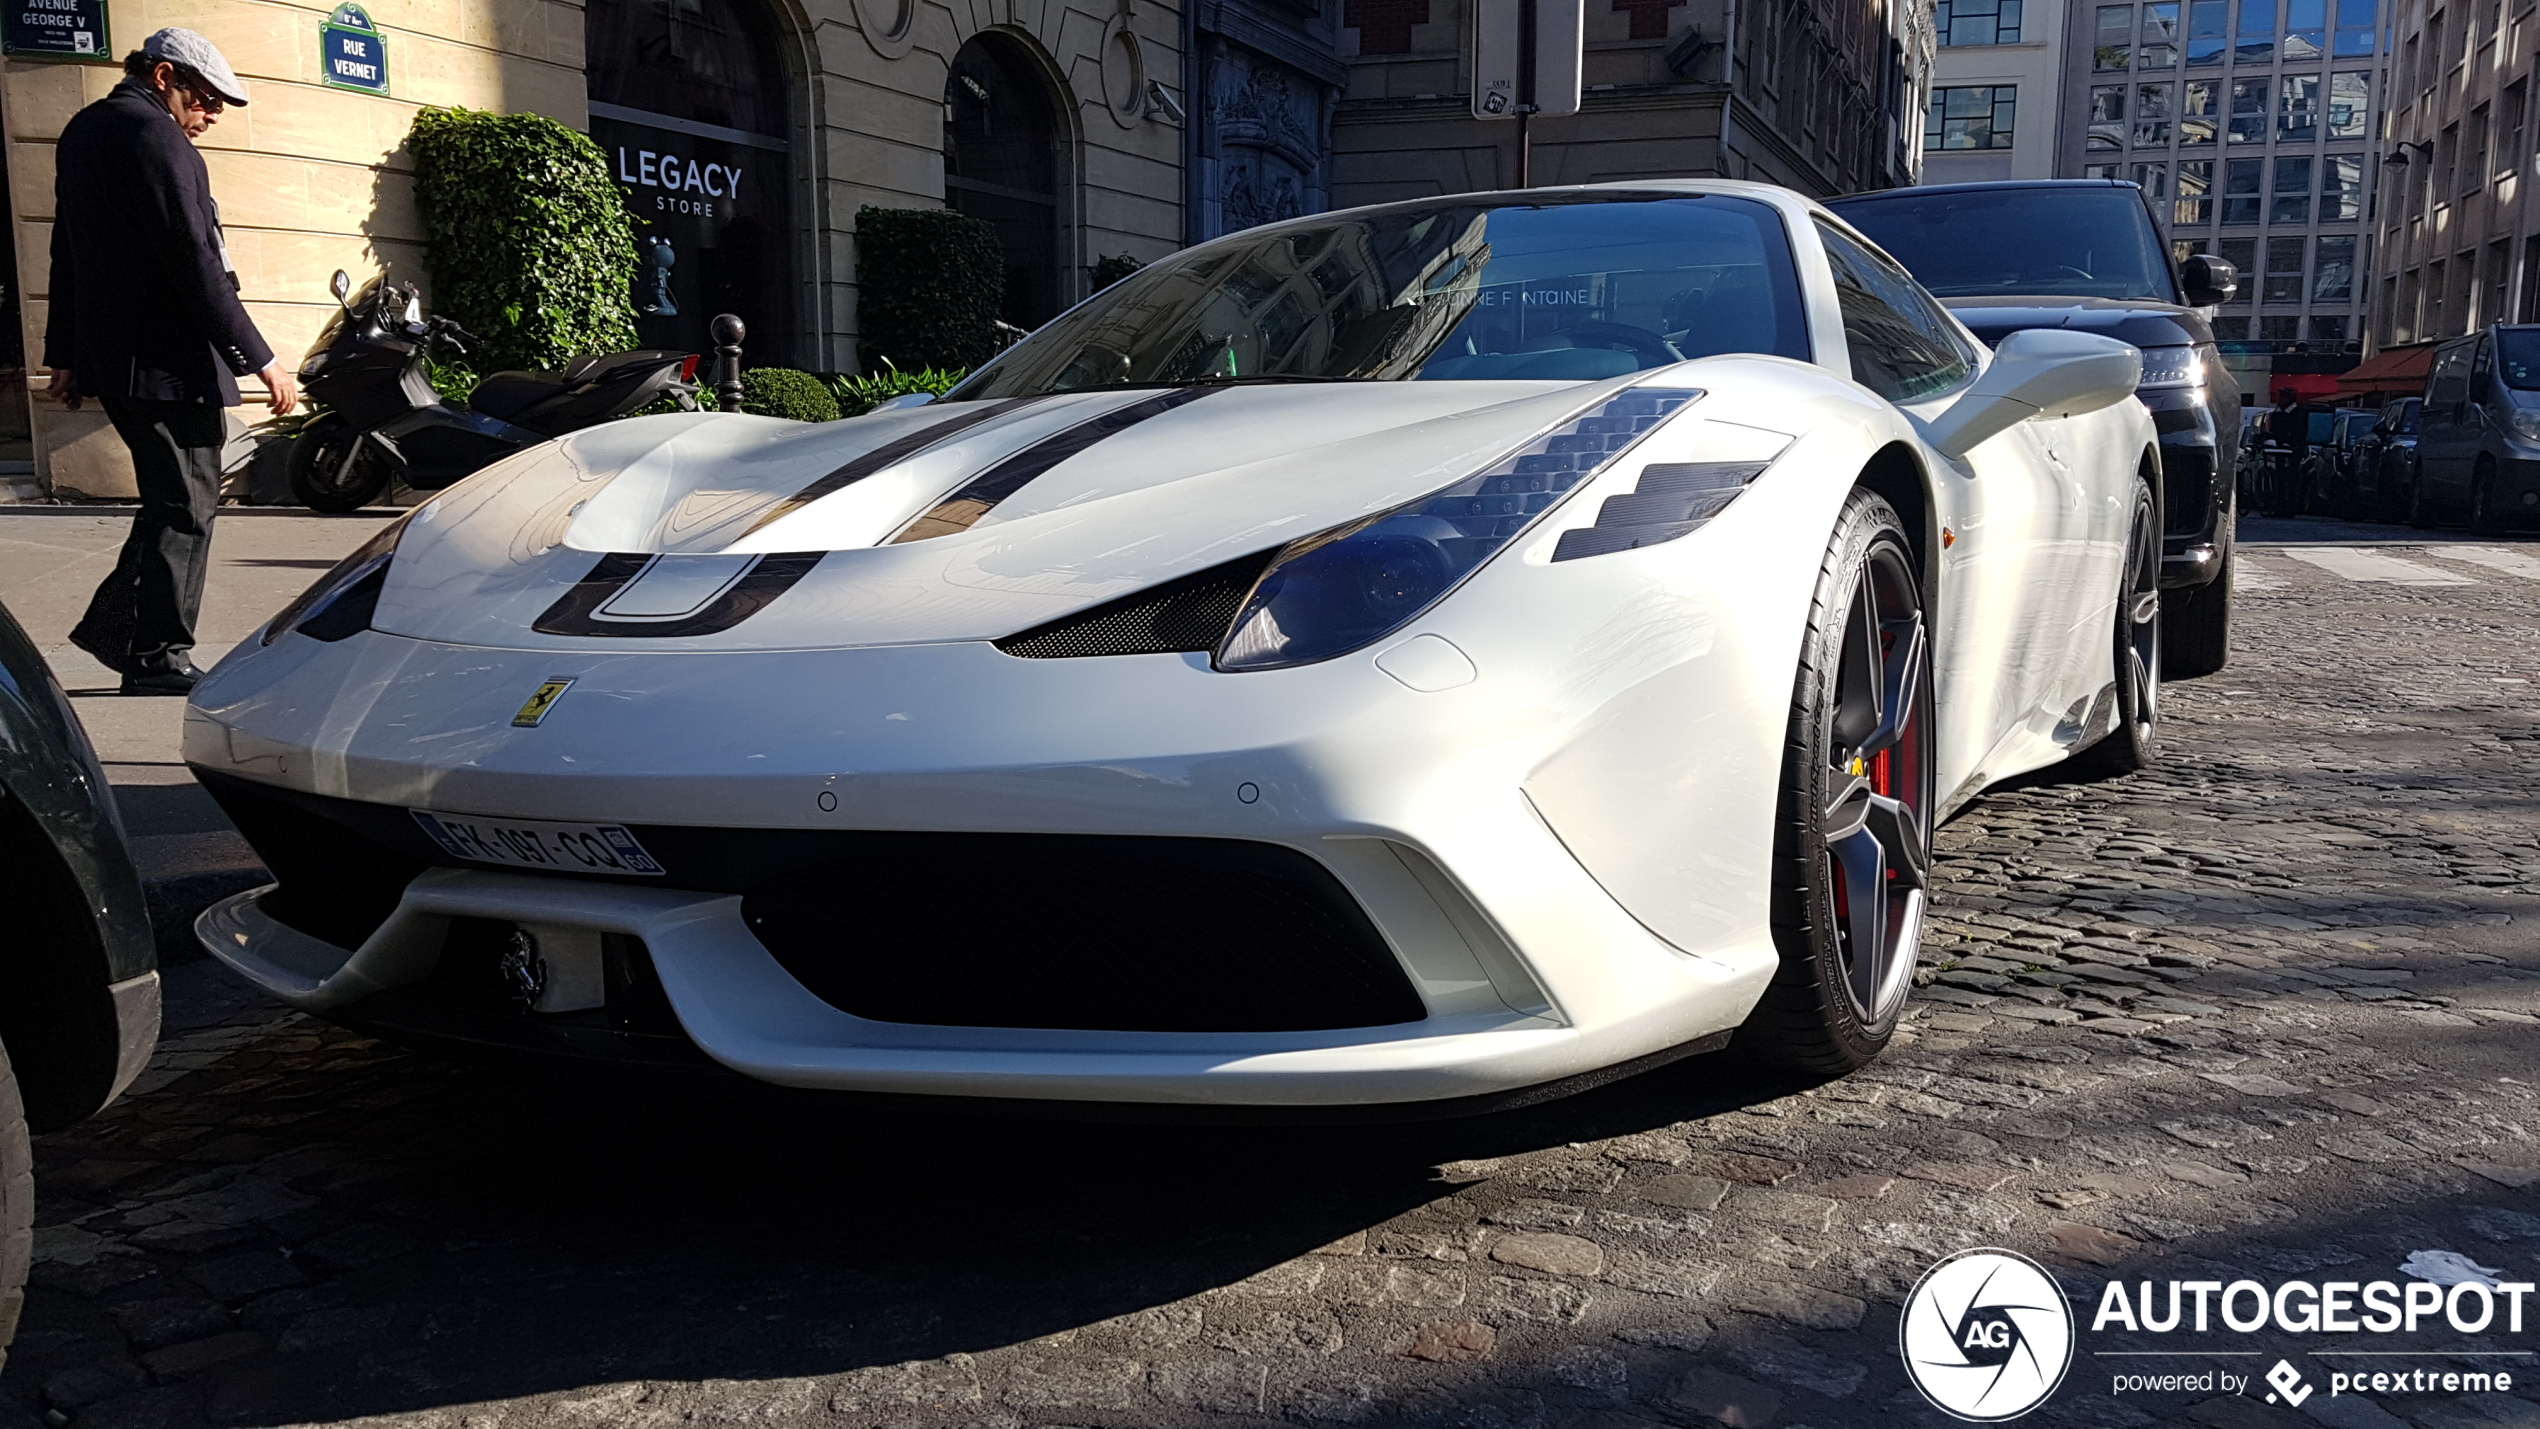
[2393, 369]
[2307, 386]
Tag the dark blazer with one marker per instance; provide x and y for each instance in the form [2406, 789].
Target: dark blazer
[143, 303]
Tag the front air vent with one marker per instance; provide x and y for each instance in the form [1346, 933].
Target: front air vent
[1189, 614]
[1673, 499]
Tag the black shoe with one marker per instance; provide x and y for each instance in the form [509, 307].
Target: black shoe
[177, 681]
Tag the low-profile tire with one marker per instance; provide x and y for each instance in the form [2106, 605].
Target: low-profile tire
[2196, 627]
[1852, 833]
[2421, 510]
[2134, 743]
[2482, 498]
[17, 1205]
[334, 468]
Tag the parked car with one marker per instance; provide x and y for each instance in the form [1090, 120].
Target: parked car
[1424, 654]
[2336, 439]
[2478, 455]
[2084, 255]
[79, 981]
[2382, 478]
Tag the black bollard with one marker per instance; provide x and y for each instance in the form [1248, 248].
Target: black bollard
[728, 332]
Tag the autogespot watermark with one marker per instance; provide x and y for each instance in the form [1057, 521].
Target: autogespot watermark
[1987, 1336]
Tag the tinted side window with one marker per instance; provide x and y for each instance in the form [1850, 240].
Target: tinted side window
[1903, 347]
[2450, 380]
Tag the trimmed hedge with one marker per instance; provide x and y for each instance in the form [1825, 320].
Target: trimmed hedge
[784, 392]
[527, 239]
[929, 285]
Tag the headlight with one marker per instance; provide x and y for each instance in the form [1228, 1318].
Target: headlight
[2526, 422]
[1338, 590]
[341, 601]
[2175, 366]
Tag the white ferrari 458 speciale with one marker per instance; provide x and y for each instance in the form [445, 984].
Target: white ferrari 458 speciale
[1441, 653]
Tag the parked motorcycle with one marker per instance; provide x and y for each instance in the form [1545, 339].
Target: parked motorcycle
[371, 370]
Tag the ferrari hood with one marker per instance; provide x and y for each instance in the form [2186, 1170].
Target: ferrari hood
[958, 521]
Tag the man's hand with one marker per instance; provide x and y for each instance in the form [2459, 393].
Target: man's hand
[63, 387]
[285, 391]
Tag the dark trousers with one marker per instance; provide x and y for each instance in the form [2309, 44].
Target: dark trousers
[147, 607]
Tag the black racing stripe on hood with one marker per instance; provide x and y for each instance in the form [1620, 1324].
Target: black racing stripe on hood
[980, 495]
[886, 455]
[575, 613]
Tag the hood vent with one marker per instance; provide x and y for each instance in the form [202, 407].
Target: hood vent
[980, 495]
[1186, 615]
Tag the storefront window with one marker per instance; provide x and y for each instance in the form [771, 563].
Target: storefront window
[1001, 164]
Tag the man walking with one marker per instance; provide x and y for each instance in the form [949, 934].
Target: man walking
[145, 318]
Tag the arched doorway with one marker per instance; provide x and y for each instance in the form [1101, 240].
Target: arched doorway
[1003, 162]
[688, 100]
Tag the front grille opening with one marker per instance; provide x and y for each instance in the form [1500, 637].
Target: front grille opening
[1188, 614]
[338, 884]
[1091, 932]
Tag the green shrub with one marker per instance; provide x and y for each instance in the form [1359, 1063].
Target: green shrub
[1110, 269]
[527, 238]
[859, 395]
[929, 285]
[453, 380]
[784, 392]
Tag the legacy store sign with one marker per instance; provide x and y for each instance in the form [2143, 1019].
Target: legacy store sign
[710, 225]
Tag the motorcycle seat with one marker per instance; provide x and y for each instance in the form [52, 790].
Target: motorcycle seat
[602, 366]
[506, 395]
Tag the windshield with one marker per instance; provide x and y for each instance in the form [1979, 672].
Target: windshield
[1573, 289]
[2059, 241]
[2518, 357]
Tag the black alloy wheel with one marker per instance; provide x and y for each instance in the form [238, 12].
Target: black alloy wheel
[1852, 837]
[335, 468]
[2131, 744]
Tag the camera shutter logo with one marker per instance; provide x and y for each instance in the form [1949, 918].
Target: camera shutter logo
[1986, 1335]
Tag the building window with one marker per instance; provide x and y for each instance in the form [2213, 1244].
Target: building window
[2531, 270]
[2195, 193]
[2357, 23]
[2152, 116]
[2111, 172]
[1003, 163]
[2305, 30]
[2199, 114]
[2208, 31]
[2242, 179]
[1970, 117]
[2257, 32]
[2297, 119]
[1384, 26]
[2160, 38]
[2249, 110]
[2341, 188]
[2107, 118]
[2279, 329]
[2333, 276]
[2509, 158]
[2242, 255]
[2349, 94]
[2154, 180]
[2499, 274]
[2447, 158]
[2115, 43]
[2292, 189]
[2328, 329]
[1978, 22]
[2474, 172]
[2231, 329]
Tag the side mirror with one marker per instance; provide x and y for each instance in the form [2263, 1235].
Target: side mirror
[341, 285]
[2209, 280]
[2036, 370]
[905, 399]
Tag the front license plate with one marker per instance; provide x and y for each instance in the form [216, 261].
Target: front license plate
[549, 848]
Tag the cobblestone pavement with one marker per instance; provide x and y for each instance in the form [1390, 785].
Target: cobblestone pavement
[2268, 1010]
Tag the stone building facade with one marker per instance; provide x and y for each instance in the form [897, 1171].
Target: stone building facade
[1825, 96]
[1054, 119]
[1265, 74]
[1997, 78]
[2460, 235]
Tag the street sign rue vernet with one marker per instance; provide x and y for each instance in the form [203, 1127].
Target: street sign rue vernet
[352, 54]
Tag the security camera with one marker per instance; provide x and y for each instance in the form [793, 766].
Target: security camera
[1161, 102]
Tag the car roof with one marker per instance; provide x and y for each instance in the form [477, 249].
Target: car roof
[1981, 185]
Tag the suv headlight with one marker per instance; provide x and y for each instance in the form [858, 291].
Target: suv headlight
[2182, 366]
[2526, 423]
[340, 602]
[1342, 589]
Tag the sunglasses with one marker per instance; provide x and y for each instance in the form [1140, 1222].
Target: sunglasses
[206, 101]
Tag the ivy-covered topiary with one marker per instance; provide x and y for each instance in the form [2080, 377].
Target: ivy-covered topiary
[859, 395]
[929, 283]
[527, 239]
[784, 392]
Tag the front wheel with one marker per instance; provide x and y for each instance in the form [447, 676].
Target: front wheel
[2130, 746]
[335, 468]
[17, 1204]
[1853, 831]
[2482, 498]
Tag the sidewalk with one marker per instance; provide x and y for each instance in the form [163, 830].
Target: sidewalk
[51, 558]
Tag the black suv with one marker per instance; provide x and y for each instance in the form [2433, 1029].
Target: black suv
[79, 980]
[2084, 254]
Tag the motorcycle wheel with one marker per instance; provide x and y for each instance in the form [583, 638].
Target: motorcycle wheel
[333, 468]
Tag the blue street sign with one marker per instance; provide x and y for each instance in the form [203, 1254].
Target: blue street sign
[351, 52]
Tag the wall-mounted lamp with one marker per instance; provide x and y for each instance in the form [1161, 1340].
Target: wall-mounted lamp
[2399, 155]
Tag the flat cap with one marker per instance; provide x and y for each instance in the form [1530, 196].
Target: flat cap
[184, 47]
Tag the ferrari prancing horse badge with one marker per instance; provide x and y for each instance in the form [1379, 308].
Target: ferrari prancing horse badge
[541, 702]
